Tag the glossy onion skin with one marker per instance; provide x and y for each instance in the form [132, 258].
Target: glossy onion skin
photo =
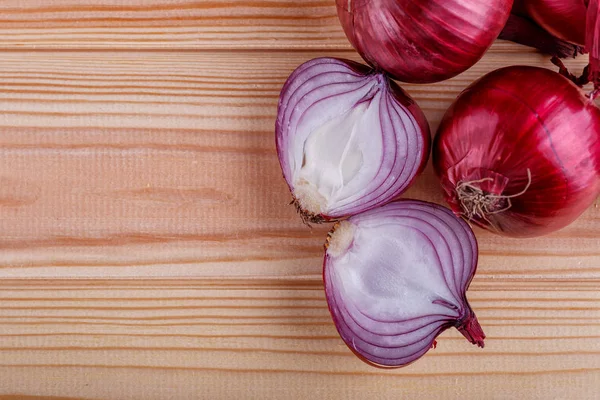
[565, 19]
[512, 120]
[456, 250]
[422, 41]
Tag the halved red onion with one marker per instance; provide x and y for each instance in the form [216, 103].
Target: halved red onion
[396, 277]
[348, 138]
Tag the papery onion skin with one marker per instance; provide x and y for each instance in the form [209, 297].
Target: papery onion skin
[299, 99]
[422, 41]
[458, 271]
[512, 123]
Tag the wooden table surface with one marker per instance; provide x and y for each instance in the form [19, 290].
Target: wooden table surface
[147, 248]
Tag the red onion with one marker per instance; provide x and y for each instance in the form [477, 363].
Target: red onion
[395, 278]
[518, 152]
[565, 19]
[348, 138]
[422, 41]
[573, 21]
[523, 30]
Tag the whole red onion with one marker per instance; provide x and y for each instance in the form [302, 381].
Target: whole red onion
[518, 152]
[422, 41]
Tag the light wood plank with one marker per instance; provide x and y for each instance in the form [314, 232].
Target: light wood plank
[161, 164]
[208, 24]
[238, 339]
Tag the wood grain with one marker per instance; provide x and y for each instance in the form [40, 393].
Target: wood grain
[182, 338]
[147, 248]
[155, 164]
[208, 24]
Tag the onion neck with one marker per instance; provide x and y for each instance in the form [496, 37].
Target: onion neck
[470, 329]
[580, 81]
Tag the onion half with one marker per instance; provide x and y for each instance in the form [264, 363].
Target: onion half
[396, 277]
[422, 41]
[518, 153]
[348, 138]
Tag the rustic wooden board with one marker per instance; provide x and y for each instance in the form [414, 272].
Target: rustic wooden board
[170, 23]
[189, 339]
[147, 248]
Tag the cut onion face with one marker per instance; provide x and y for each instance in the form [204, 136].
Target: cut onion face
[396, 277]
[348, 139]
